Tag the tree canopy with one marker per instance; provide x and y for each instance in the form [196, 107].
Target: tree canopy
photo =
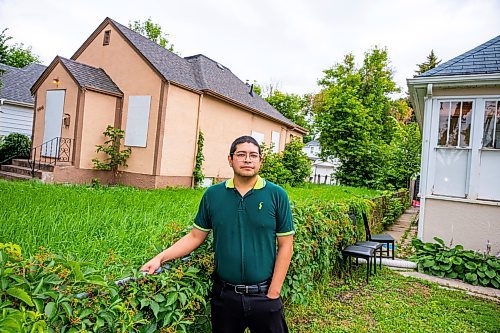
[16, 55]
[356, 119]
[152, 31]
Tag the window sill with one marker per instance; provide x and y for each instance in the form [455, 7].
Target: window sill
[465, 200]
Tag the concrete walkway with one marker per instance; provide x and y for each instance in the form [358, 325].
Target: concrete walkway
[398, 229]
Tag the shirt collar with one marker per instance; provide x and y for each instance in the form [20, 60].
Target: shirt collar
[259, 184]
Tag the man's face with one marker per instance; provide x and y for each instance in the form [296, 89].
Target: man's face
[246, 160]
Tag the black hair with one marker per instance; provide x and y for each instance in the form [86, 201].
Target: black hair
[243, 139]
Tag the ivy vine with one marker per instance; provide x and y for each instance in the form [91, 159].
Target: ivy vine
[198, 172]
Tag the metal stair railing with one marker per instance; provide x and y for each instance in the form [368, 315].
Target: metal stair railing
[55, 150]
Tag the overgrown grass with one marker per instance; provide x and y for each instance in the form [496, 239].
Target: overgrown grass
[109, 224]
[391, 303]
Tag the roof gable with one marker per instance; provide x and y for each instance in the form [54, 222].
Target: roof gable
[16, 82]
[198, 73]
[90, 77]
[483, 59]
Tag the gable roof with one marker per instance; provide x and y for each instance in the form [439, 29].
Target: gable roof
[90, 77]
[85, 76]
[198, 73]
[483, 59]
[16, 82]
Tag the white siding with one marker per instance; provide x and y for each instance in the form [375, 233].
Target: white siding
[15, 119]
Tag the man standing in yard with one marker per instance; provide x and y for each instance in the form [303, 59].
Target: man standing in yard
[248, 216]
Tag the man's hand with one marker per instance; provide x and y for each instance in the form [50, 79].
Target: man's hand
[151, 266]
[273, 294]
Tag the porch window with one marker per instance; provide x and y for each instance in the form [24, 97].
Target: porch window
[491, 133]
[455, 118]
[453, 148]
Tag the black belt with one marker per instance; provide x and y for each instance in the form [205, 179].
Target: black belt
[261, 287]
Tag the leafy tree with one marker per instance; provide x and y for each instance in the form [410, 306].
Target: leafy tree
[152, 31]
[353, 115]
[432, 61]
[17, 55]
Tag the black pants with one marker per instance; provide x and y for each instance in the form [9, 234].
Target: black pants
[233, 312]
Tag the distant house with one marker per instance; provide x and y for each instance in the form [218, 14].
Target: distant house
[160, 99]
[457, 105]
[16, 101]
[323, 172]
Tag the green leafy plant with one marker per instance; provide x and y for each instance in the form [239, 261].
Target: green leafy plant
[111, 147]
[198, 172]
[14, 145]
[288, 167]
[457, 263]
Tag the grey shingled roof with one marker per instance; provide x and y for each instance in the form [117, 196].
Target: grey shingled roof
[215, 77]
[199, 73]
[16, 82]
[483, 59]
[90, 77]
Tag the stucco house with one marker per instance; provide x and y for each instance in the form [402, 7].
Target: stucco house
[16, 101]
[322, 172]
[457, 105]
[161, 100]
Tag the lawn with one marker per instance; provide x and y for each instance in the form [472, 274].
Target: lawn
[125, 226]
[112, 223]
[391, 303]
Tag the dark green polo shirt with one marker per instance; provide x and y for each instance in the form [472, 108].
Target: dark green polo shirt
[245, 228]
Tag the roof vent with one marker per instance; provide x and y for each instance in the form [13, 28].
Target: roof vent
[220, 66]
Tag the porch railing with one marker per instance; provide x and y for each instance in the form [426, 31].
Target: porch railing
[50, 153]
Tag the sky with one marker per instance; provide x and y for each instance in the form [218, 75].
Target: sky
[284, 43]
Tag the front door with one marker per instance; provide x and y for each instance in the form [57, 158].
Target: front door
[53, 122]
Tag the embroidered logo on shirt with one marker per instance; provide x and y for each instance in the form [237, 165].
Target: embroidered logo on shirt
[260, 205]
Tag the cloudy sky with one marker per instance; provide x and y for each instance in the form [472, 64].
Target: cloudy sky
[287, 43]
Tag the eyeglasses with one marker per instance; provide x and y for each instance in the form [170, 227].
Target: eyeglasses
[243, 156]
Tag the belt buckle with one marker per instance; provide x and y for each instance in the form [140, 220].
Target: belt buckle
[239, 286]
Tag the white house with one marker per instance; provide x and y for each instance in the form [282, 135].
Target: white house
[16, 101]
[457, 105]
[323, 172]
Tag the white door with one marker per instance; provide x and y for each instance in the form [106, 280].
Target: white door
[54, 107]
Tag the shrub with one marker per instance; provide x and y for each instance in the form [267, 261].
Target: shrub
[290, 167]
[457, 263]
[14, 145]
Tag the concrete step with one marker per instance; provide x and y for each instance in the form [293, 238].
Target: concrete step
[38, 165]
[13, 176]
[22, 170]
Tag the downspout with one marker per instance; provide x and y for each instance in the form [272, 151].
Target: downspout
[426, 146]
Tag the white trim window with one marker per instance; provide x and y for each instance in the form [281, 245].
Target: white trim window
[464, 157]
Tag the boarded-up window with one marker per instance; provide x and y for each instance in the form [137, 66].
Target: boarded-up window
[258, 136]
[275, 140]
[107, 37]
[136, 133]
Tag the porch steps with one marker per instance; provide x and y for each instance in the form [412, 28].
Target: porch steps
[20, 170]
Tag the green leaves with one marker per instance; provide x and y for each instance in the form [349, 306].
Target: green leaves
[438, 259]
[111, 147]
[21, 295]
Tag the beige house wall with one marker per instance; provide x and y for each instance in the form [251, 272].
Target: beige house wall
[468, 224]
[70, 103]
[98, 113]
[134, 77]
[180, 136]
[221, 123]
